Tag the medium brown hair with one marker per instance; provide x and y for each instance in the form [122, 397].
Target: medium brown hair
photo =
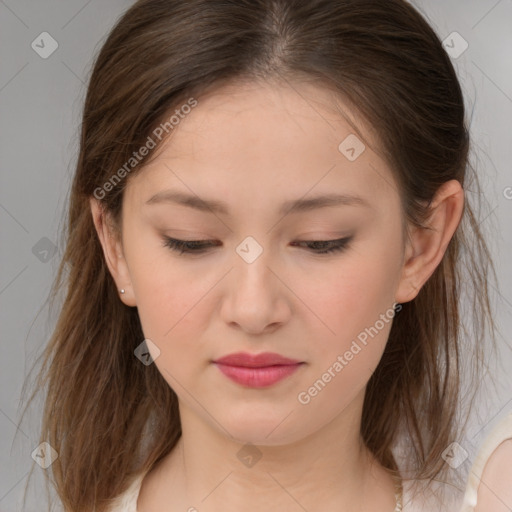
[384, 58]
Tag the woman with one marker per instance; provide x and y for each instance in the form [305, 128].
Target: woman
[267, 238]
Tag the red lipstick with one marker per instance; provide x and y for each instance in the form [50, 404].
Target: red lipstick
[256, 371]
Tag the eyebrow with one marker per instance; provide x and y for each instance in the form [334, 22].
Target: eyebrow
[292, 206]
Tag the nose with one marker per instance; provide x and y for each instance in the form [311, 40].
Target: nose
[256, 299]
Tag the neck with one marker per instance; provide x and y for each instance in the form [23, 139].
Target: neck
[329, 469]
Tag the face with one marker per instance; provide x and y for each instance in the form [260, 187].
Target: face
[264, 277]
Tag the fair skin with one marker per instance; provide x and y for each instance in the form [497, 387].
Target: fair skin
[495, 489]
[254, 147]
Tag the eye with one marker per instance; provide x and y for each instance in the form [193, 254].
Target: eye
[188, 246]
[201, 246]
[327, 246]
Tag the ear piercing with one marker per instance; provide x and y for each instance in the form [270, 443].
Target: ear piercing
[121, 290]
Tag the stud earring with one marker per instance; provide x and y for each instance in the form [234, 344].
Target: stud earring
[121, 290]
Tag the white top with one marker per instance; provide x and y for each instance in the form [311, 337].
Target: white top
[501, 432]
[428, 500]
[437, 497]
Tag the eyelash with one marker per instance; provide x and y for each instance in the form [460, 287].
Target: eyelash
[200, 246]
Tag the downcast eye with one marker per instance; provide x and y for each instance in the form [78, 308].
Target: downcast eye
[201, 246]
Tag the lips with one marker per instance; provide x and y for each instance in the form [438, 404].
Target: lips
[264, 359]
[257, 371]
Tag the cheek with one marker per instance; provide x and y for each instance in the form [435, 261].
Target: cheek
[358, 311]
[359, 291]
[171, 312]
[169, 299]
[355, 304]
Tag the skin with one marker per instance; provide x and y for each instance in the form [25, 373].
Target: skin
[495, 489]
[272, 142]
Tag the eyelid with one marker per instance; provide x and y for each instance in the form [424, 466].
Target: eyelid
[200, 247]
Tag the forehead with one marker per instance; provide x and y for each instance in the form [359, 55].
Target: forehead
[259, 140]
[275, 116]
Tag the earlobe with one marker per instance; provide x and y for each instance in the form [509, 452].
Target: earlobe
[426, 247]
[113, 253]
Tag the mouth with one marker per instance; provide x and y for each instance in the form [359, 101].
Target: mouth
[265, 359]
[257, 371]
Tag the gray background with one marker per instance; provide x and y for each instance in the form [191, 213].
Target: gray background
[41, 101]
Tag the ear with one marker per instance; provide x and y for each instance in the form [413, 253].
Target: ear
[426, 247]
[113, 252]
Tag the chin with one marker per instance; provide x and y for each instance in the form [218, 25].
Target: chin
[265, 430]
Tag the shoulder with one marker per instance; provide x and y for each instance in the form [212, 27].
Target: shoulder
[495, 489]
[489, 486]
